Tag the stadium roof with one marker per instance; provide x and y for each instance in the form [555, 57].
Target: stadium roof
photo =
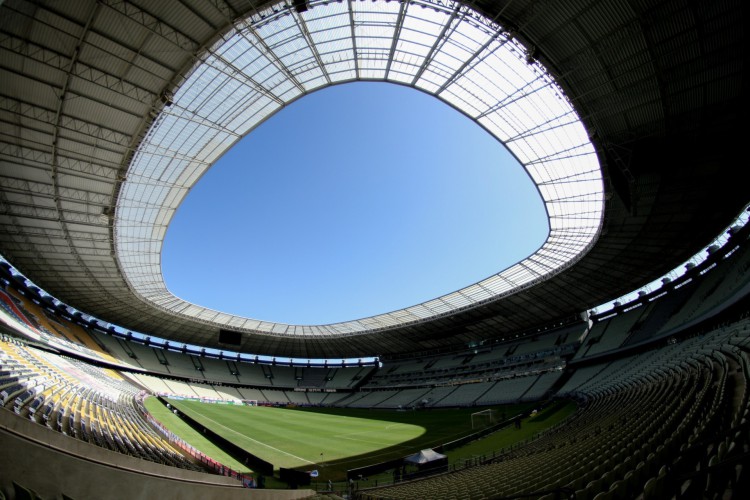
[627, 117]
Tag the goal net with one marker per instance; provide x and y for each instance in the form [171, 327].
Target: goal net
[484, 418]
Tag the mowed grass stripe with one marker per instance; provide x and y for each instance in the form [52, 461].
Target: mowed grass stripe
[290, 438]
[242, 436]
[336, 439]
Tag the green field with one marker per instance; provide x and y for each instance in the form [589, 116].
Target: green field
[334, 440]
[510, 436]
[189, 435]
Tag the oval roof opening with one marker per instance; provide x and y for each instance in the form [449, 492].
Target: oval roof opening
[266, 61]
[357, 200]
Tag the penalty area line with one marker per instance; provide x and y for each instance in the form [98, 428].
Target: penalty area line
[389, 427]
[344, 436]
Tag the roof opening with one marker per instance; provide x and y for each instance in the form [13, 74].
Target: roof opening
[265, 62]
[356, 200]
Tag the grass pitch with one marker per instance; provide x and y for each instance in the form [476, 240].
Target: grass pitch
[191, 436]
[332, 440]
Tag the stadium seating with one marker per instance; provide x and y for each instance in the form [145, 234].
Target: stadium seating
[700, 296]
[618, 419]
[612, 333]
[47, 327]
[663, 404]
[504, 360]
[173, 363]
[646, 425]
[100, 407]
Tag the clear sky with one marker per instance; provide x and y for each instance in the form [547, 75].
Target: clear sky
[353, 201]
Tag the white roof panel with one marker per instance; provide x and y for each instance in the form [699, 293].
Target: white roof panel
[259, 66]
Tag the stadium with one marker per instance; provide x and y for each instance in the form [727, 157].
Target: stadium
[620, 346]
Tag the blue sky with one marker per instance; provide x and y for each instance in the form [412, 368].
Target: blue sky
[353, 201]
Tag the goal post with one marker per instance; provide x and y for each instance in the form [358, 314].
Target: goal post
[484, 418]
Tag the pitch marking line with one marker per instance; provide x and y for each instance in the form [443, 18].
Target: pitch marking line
[349, 435]
[255, 440]
[344, 436]
[371, 431]
[356, 433]
[388, 427]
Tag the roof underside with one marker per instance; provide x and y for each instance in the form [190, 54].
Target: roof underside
[279, 55]
[658, 85]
